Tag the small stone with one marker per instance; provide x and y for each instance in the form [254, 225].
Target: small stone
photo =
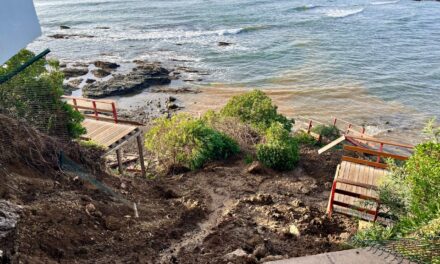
[90, 81]
[255, 168]
[64, 27]
[260, 251]
[113, 223]
[293, 230]
[296, 203]
[90, 208]
[172, 99]
[237, 255]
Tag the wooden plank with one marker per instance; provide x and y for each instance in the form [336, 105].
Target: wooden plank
[355, 207]
[357, 195]
[374, 152]
[119, 136]
[365, 162]
[331, 145]
[358, 184]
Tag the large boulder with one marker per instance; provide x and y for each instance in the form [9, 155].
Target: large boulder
[140, 78]
[9, 216]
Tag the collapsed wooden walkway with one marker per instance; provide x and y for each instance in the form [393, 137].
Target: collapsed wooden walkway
[105, 129]
[354, 188]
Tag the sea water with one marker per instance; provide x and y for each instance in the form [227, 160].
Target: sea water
[357, 59]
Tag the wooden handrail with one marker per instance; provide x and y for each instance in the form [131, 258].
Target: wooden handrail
[374, 152]
[94, 107]
[88, 99]
[365, 162]
[390, 143]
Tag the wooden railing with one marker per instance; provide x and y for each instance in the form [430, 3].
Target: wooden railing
[379, 154]
[380, 145]
[97, 107]
[343, 126]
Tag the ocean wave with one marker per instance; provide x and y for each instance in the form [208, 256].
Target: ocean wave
[181, 34]
[305, 7]
[385, 2]
[339, 13]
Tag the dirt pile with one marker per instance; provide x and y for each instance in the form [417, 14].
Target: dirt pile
[220, 214]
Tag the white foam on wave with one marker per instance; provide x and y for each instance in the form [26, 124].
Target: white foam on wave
[174, 34]
[338, 13]
[385, 2]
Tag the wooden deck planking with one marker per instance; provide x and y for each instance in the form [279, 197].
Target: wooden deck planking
[106, 133]
[361, 174]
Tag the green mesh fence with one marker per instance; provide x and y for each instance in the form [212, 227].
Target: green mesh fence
[407, 250]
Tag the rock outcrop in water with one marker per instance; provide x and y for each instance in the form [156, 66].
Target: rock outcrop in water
[142, 77]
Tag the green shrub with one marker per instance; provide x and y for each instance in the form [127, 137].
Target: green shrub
[330, 132]
[412, 193]
[90, 144]
[25, 91]
[257, 109]
[280, 150]
[245, 135]
[305, 139]
[188, 142]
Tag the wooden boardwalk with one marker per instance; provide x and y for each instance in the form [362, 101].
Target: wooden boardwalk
[105, 128]
[354, 189]
[107, 134]
[356, 186]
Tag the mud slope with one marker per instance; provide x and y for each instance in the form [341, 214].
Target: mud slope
[220, 214]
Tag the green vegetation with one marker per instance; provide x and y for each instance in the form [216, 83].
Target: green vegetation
[329, 132]
[248, 122]
[90, 144]
[280, 150]
[412, 194]
[255, 108]
[303, 138]
[35, 95]
[188, 142]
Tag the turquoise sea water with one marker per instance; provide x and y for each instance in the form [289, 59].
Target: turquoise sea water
[332, 53]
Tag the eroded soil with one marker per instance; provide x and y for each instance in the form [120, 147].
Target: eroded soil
[221, 214]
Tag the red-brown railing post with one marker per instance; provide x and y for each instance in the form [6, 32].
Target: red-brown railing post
[115, 114]
[377, 212]
[310, 127]
[332, 198]
[334, 121]
[94, 108]
[75, 104]
[381, 150]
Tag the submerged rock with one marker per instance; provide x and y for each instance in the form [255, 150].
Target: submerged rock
[67, 36]
[64, 27]
[224, 44]
[71, 86]
[101, 73]
[140, 78]
[74, 72]
[106, 65]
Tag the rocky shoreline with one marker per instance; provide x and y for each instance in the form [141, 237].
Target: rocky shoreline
[103, 79]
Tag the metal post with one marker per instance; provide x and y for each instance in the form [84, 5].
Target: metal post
[141, 155]
[23, 67]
